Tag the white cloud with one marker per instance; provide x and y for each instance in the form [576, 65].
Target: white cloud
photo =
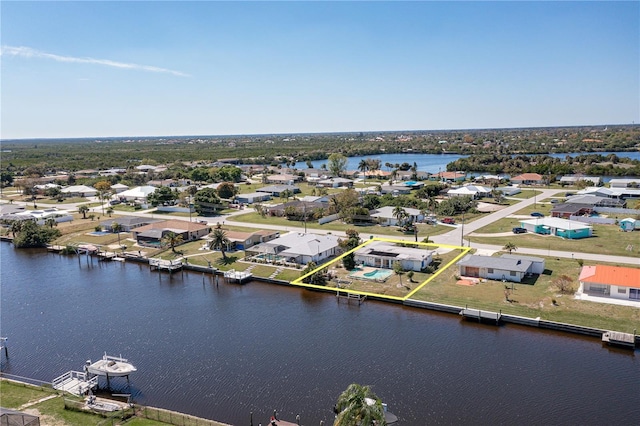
[27, 52]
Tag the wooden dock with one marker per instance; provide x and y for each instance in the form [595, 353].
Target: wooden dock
[166, 265]
[617, 338]
[360, 298]
[75, 382]
[481, 315]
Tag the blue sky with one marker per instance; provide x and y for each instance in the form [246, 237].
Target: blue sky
[91, 69]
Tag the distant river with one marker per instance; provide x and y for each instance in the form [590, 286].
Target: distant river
[433, 163]
[222, 352]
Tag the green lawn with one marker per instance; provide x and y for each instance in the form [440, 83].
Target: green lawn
[533, 299]
[606, 239]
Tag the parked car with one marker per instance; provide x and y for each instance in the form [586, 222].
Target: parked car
[569, 194]
[537, 214]
[518, 230]
[554, 201]
[449, 220]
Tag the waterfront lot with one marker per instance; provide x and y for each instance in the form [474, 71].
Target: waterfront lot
[533, 299]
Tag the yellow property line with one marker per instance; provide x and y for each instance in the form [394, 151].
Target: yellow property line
[299, 281]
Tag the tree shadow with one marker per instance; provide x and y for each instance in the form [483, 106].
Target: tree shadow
[227, 261]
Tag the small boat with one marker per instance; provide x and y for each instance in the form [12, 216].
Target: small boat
[110, 366]
[389, 417]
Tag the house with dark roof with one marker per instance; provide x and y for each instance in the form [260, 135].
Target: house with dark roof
[567, 210]
[505, 268]
[243, 240]
[151, 235]
[615, 282]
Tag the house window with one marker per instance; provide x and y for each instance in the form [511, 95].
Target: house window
[599, 288]
[622, 290]
[490, 270]
[512, 273]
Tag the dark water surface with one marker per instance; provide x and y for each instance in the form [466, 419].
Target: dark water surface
[223, 352]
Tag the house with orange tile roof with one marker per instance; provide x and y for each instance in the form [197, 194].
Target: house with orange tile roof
[448, 176]
[615, 282]
[528, 179]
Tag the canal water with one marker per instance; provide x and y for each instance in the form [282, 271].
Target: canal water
[434, 163]
[223, 352]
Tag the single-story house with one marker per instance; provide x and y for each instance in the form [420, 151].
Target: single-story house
[528, 179]
[244, 240]
[473, 191]
[409, 175]
[383, 255]
[152, 234]
[298, 248]
[253, 197]
[508, 191]
[119, 187]
[625, 183]
[41, 216]
[276, 190]
[128, 223]
[79, 191]
[335, 182]
[283, 179]
[596, 201]
[615, 282]
[385, 217]
[448, 176]
[537, 263]
[395, 189]
[629, 224]
[323, 199]
[621, 193]
[564, 228]
[573, 179]
[512, 268]
[566, 210]
[139, 193]
[301, 207]
[489, 178]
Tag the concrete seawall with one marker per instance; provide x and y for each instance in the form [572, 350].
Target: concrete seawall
[514, 319]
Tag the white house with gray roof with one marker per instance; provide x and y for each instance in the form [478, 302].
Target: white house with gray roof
[299, 248]
[506, 268]
[385, 217]
[384, 255]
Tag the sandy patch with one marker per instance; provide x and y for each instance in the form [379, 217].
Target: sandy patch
[488, 207]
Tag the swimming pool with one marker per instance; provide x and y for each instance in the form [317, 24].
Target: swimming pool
[410, 182]
[374, 274]
[99, 233]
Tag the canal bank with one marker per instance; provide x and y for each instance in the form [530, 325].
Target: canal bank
[225, 351]
[451, 309]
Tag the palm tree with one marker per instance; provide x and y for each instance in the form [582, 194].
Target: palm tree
[358, 406]
[400, 214]
[219, 241]
[83, 209]
[172, 239]
[363, 166]
[117, 228]
[510, 247]
[16, 227]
